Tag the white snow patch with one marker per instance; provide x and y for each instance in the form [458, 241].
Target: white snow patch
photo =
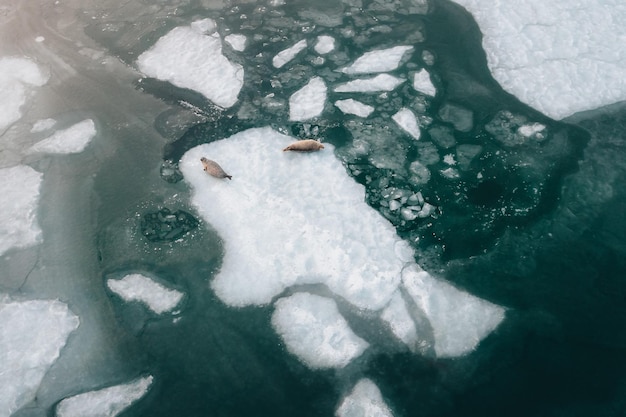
[40, 39]
[325, 44]
[561, 56]
[19, 188]
[137, 287]
[18, 75]
[351, 106]
[32, 335]
[381, 82]
[381, 60]
[74, 139]
[43, 124]
[308, 102]
[107, 402]
[459, 320]
[423, 84]
[188, 58]
[314, 330]
[288, 54]
[365, 400]
[236, 41]
[407, 121]
[531, 129]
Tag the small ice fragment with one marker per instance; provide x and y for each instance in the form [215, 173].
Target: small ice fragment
[74, 139]
[449, 159]
[314, 330]
[325, 44]
[407, 121]
[365, 400]
[43, 124]
[423, 84]
[460, 117]
[421, 174]
[309, 101]
[40, 39]
[381, 60]
[427, 210]
[408, 214]
[107, 402]
[351, 106]
[288, 54]
[204, 26]
[450, 173]
[236, 41]
[137, 287]
[381, 82]
[529, 130]
[394, 205]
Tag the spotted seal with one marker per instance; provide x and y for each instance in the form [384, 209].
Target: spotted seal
[305, 145]
[214, 169]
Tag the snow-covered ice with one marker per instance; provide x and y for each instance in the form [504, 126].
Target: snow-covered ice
[351, 106]
[236, 41]
[314, 330]
[381, 60]
[137, 287]
[381, 82]
[19, 188]
[406, 119]
[288, 54]
[400, 321]
[18, 76]
[107, 402]
[308, 102]
[42, 125]
[32, 335]
[189, 58]
[365, 400]
[561, 56]
[423, 83]
[74, 139]
[324, 44]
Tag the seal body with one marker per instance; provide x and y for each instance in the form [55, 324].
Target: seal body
[305, 145]
[214, 169]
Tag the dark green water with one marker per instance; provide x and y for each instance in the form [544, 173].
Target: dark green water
[541, 231]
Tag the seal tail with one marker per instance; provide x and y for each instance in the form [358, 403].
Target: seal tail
[230, 177]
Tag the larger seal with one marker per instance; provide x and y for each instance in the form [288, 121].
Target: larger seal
[214, 169]
[305, 145]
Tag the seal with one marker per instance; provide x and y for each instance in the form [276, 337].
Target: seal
[214, 169]
[305, 145]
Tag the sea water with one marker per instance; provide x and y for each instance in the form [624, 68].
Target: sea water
[456, 249]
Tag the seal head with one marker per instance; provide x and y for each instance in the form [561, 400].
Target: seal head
[305, 145]
[214, 169]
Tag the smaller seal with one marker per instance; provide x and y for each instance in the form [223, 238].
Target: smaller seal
[305, 145]
[214, 169]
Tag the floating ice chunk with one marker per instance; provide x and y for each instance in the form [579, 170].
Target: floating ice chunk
[421, 174]
[43, 124]
[107, 402]
[32, 335]
[236, 41]
[531, 129]
[292, 218]
[382, 82]
[19, 188]
[459, 320]
[17, 76]
[205, 26]
[449, 159]
[381, 60]
[460, 117]
[314, 330]
[188, 58]
[423, 84]
[40, 39]
[325, 44]
[351, 106]
[74, 139]
[560, 57]
[288, 54]
[365, 400]
[308, 102]
[400, 321]
[407, 121]
[137, 287]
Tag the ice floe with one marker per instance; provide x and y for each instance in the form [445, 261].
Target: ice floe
[308, 102]
[236, 41]
[19, 188]
[351, 106]
[365, 400]
[381, 60]
[74, 139]
[314, 330]
[32, 335]
[137, 287]
[18, 75]
[288, 54]
[381, 82]
[107, 402]
[325, 44]
[405, 118]
[189, 58]
[423, 83]
[559, 57]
